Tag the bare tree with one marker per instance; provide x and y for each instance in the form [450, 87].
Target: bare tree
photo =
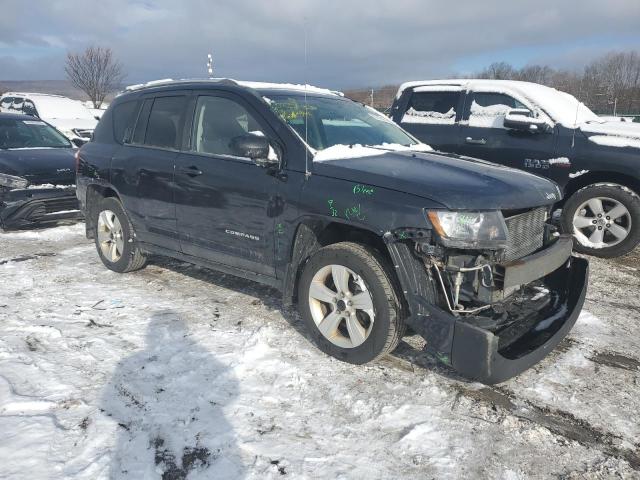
[499, 71]
[95, 71]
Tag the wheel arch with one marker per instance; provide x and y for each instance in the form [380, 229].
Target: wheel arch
[95, 193]
[595, 177]
[313, 234]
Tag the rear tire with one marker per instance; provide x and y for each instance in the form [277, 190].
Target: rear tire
[363, 320]
[604, 219]
[114, 238]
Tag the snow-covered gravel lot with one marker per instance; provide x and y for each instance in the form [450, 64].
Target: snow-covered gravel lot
[179, 372]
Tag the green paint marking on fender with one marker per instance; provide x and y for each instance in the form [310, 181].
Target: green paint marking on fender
[362, 190]
[334, 210]
[354, 212]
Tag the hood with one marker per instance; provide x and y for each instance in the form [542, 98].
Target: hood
[616, 134]
[66, 124]
[459, 183]
[54, 166]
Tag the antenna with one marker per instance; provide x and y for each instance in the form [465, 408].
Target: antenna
[210, 65]
[575, 120]
[307, 172]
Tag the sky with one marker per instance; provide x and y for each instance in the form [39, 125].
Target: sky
[348, 43]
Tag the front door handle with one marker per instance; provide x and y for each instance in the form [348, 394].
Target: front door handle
[474, 141]
[192, 171]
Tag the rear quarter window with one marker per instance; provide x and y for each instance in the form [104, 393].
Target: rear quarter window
[124, 117]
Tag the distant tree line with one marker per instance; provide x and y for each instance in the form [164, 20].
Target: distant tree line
[609, 82]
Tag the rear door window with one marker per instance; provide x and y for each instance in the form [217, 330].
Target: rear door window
[164, 127]
[6, 103]
[488, 109]
[17, 104]
[432, 107]
[141, 123]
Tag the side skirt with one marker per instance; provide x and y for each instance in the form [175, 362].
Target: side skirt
[238, 272]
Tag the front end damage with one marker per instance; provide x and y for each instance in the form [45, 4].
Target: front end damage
[22, 205]
[491, 313]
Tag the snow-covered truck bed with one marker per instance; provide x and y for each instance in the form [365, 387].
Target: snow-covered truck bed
[180, 372]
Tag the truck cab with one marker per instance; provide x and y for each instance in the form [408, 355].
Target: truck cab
[547, 132]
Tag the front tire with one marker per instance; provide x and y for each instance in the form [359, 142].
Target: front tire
[604, 219]
[114, 238]
[348, 303]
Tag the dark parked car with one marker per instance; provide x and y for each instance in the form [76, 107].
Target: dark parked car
[545, 131]
[37, 173]
[344, 212]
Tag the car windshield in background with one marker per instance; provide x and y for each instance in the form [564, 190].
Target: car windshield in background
[326, 122]
[18, 133]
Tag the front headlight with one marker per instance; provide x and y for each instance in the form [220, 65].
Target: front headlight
[11, 181]
[469, 229]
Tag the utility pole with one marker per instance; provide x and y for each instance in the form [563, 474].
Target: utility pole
[372, 98]
[615, 106]
[210, 65]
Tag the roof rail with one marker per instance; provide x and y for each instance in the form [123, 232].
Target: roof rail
[229, 81]
[171, 81]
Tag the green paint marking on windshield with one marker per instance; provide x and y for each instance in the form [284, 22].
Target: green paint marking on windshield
[291, 110]
[362, 190]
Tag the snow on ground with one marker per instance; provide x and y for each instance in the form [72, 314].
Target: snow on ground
[179, 372]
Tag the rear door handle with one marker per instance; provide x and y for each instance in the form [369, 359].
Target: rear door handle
[192, 171]
[474, 141]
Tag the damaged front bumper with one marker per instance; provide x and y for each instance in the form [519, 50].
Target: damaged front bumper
[30, 206]
[474, 346]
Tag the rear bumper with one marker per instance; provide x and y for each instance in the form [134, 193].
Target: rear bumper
[480, 354]
[24, 207]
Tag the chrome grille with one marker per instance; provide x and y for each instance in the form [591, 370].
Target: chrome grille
[526, 233]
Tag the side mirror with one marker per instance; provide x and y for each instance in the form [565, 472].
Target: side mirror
[519, 119]
[255, 147]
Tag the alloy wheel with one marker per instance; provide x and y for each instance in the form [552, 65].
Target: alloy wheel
[110, 236]
[601, 222]
[341, 306]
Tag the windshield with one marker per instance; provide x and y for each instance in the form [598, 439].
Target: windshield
[16, 133]
[328, 121]
[61, 107]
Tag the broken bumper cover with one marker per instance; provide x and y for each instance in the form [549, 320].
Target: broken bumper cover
[24, 207]
[483, 355]
[476, 353]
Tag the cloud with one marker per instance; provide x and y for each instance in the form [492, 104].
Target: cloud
[348, 42]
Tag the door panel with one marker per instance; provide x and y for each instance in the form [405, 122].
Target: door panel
[143, 172]
[483, 134]
[222, 200]
[144, 179]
